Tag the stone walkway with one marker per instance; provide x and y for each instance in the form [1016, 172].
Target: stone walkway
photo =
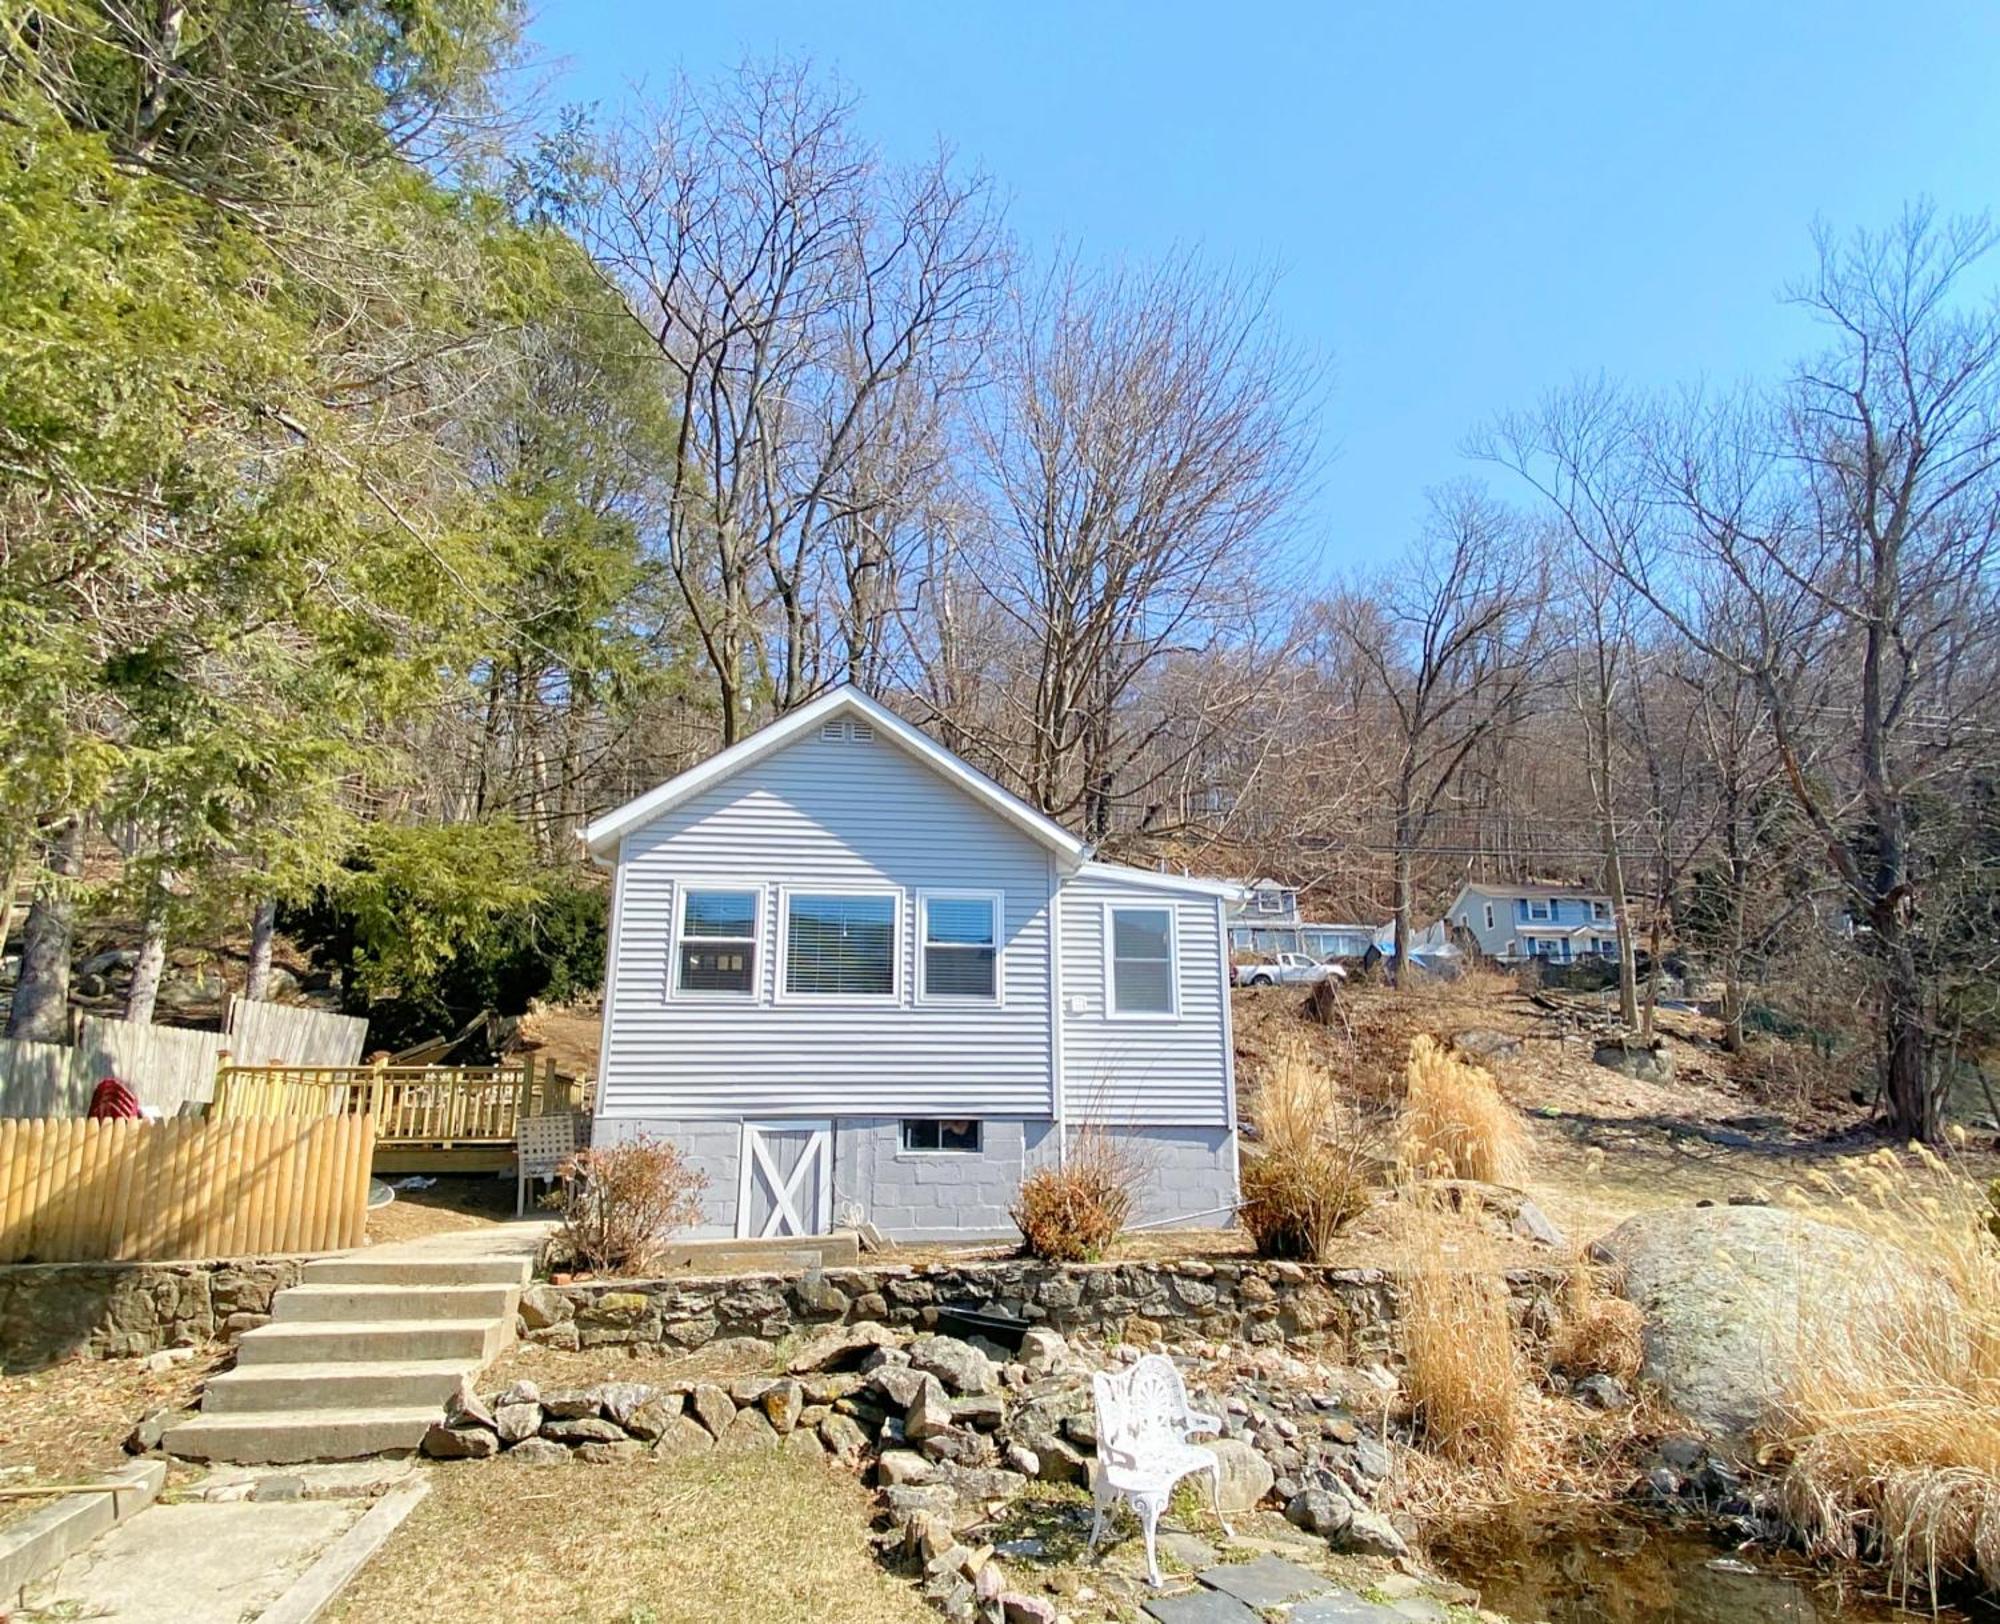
[236, 1546]
[1251, 1592]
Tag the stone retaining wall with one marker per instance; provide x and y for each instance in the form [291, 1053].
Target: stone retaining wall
[51, 1311]
[1349, 1313]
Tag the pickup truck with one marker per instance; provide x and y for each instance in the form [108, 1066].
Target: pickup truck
[1289, 969]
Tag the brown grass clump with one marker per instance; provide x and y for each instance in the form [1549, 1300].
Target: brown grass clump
[1462, 1374]
[1309, 1172]
[618, 1204]
[1454, 1123]
[1072, 1213]
[1891, 1424]
[1596, 1335]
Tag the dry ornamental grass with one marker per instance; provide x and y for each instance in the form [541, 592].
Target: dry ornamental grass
[1309, 1172]
[1454, 1123]
[1891, 1430]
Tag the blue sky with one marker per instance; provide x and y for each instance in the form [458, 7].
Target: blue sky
[1468, 203]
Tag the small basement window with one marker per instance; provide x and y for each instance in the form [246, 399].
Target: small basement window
[718, 942]
[956, 1136]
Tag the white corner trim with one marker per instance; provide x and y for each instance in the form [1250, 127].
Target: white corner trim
[605, 831]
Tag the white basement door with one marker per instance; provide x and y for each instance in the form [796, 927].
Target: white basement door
[785, 1184]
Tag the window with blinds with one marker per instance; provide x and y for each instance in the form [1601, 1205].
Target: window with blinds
[1142, 961]
[840, 946]
[718, 942]
[961, 947]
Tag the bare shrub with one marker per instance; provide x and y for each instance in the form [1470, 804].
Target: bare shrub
[1462, 1374]
[1596, 1335]
[1310, 1171]
[1072, 1213]
[1454, 1123]
[1891, 1421]
[618, 1204]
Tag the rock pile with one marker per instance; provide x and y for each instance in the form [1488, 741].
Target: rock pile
[953, 1431]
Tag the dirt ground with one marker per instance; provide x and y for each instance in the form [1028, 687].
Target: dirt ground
[1604, 1145]
[448, 1202]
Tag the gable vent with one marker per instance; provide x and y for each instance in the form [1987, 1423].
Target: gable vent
[847, 731]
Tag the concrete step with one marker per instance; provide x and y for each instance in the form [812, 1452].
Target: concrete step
[408, 1384]
[322, 1342]
[363, 1270]
[345, 1303]
[278, 1437]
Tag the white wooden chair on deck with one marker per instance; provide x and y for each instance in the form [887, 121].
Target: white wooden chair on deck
[1143, 1426]
[541, 1145]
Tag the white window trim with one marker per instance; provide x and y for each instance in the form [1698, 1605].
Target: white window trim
[1546, 916]
[904, 1154]
[949, 1000]
[1156, 1016]
[838, 1000]
[675, 992]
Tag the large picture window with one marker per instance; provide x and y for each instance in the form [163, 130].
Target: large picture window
[718, 942]
[1142, 961]
[961, 946]
[840, 946]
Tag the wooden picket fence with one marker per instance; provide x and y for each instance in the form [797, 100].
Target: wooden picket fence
[74, 1190]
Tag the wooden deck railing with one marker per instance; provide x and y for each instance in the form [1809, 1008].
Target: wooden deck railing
[411, 1105]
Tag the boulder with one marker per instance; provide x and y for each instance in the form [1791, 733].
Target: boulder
[570, 1403]
[680, 1436]
[1369, 1533]
[610, 1452]
[712, 1407]
[1043, 1352]
[1483, 1043]
[1246, 1476]
[1320, 1511]
[843, 1436]
[782, 1402]
[583, 1429]
[959, 1365]
[517, 1422]
[900, 1384]
[929, 1415]
[650, 1419]
[898, 1467]
[620, 1401]
[750, 1430]
[459, 1443]
[1646, 1063]
[1722, 1288]
[538, 1452]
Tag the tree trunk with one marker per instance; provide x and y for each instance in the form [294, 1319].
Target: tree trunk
[263, 927]
[1405, 898]
[41, 993]
[144, 992]
[1912, 1109]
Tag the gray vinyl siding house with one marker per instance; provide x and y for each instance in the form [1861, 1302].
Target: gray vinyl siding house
[852, 978]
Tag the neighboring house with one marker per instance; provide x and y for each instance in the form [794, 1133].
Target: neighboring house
[1266, 920]
[1534, 921]
[851, 977]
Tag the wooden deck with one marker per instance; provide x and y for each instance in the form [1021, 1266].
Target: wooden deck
[428, 1119]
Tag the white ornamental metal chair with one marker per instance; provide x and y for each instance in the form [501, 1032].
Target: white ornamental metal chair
[541, 1145]
[1144, 1423]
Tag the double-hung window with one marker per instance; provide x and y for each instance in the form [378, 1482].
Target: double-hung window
[960, 960]
[840, 944]
[717, 953]
[1142, 960]
[1537, 910]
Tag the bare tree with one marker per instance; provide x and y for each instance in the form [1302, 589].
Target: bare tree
[1448, 636]
[1139, 454]
[804, 297]
[1852, 518]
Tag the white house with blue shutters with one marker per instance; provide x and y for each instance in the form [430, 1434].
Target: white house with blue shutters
[853, 978]
[1560, 923]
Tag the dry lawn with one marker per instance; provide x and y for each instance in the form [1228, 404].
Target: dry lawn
[755, 1539]
[69, 1422]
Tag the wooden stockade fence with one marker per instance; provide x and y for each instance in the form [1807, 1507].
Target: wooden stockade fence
[411, 1105]
[74, 1191]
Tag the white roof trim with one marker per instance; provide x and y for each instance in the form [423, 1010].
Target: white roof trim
[603, 835]
[1153, 879]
